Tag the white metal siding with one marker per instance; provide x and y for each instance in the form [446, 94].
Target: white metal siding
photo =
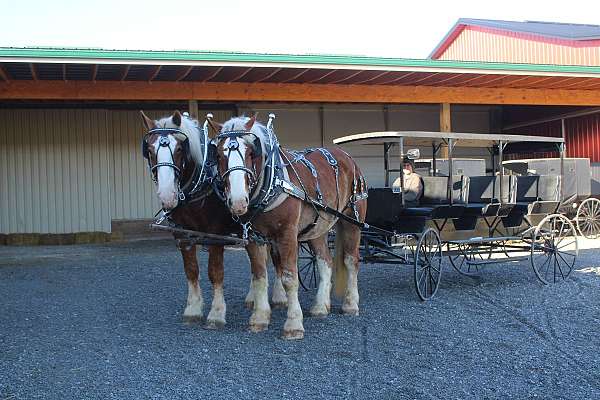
[65, 171]
[54, 174]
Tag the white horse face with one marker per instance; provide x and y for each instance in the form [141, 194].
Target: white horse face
[167, 155]
[234, 153]
[236, 157]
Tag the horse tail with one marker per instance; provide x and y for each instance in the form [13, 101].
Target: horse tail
[339, 267]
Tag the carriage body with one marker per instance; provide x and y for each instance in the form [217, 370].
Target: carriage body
[576, 200]
[521, 214]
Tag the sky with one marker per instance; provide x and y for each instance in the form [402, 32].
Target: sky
[401, 29]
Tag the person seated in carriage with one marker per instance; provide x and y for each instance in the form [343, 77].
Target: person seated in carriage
[413, 184]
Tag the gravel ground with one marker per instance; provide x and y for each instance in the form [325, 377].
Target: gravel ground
[104, 321]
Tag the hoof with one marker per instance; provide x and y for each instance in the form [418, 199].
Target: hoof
[249, 305]
[350, 311]
[190, 319]
[279, 304]
[293, 335]
[256, 328]
[214, 324]
[319, 311]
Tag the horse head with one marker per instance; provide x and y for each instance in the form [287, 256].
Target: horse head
[172, 148]
[239, 151]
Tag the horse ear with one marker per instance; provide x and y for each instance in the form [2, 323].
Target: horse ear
[148, 123]
[215, 126]
[250, 122]
[176, 118]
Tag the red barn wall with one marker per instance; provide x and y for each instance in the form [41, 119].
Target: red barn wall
[493, 45]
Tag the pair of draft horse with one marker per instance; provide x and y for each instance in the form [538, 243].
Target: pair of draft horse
[241, 180]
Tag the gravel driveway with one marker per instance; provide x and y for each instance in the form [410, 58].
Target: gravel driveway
[104, 321]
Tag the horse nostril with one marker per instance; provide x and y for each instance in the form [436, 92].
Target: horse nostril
[247, 200]
[229, 203]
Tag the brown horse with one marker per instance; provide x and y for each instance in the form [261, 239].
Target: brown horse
[174, 148]
[253, 170]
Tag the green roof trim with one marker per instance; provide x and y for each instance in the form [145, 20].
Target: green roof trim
[291, 59]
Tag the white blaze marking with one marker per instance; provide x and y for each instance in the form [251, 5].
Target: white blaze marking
[237, 181]
[167, 192]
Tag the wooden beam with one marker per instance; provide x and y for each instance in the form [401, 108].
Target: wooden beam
[240, 76]
[445, 118]
[34, 75]
[238, 91]
[3, 74]
[264, 78]
[184, 73]
[445, 125]
[193, 108]
[125, 72]
[208, 78]
[154, 73]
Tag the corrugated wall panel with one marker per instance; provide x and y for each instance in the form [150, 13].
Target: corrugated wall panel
[476, 44]
[54, 175]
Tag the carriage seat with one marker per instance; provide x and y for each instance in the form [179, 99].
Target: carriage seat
[435, 203]
[485, 199]
[537, 194]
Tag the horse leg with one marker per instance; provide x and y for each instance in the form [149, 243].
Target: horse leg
[351, 255]
[261, 315]
[322, 304]
[278, 297]
[216, 316]
[287, 246]
[249, 300]
[195, 303]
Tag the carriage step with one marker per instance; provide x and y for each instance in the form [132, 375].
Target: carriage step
[481, 240]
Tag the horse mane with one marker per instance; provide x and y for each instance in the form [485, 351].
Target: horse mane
[239, 124]
[191, 128]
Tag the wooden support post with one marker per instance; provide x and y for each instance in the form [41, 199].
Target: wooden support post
[445, 126]
[193, 108]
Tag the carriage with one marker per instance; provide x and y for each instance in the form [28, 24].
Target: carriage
[470, 221]
[576, 201]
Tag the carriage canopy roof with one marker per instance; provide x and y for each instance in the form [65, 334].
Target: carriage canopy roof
[422, 138]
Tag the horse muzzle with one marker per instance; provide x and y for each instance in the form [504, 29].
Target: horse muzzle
[238, 207]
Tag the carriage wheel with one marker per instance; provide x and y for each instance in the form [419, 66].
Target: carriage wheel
[428, 264]
[588, 218]
[308, 275]
[460, 260]
[553, 248]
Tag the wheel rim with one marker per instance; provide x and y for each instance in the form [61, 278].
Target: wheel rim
[588, 218]
[428, 264]
[461, 261]
[307, 270]
[554, 249]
